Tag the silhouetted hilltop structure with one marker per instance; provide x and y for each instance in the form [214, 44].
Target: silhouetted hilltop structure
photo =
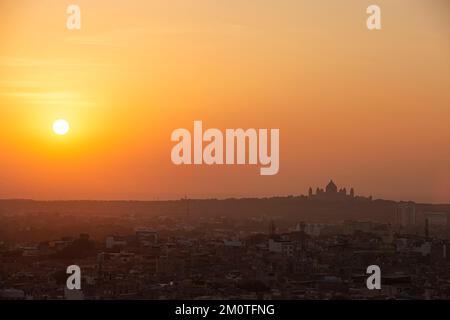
[331, 193]
[328, 205]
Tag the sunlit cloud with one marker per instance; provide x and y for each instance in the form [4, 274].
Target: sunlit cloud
[48, 98]
[24, 62]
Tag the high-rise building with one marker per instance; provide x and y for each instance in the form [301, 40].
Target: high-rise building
[406, 214]
[436, 218]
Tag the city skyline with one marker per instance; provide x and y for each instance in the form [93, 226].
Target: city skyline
[330, 192]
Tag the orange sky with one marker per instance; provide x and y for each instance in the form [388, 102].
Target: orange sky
[369, 109]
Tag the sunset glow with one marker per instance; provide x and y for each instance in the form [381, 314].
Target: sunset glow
[366, 108]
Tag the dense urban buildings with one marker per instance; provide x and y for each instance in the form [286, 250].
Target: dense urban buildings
[312, 247]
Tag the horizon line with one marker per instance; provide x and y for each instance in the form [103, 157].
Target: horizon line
[203, 199]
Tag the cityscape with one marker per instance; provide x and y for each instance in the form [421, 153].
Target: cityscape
[224, 159]
[314, 246]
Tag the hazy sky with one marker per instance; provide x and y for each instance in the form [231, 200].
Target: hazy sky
[370, 109]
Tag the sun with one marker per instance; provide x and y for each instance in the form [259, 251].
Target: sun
[61, 127]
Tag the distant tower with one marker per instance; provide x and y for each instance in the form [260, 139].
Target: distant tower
[186, 203]
[302, 235]
[100, 259]
[272, 229]
[352, 192]
[406, 214]
[331, 187]
[310, 193]
[188, 211]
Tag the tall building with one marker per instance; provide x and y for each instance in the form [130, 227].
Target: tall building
[406, 214]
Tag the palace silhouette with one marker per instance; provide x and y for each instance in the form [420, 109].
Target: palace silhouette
[331, 193]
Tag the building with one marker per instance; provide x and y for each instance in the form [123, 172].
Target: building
[406, 214]
[115, 241]
[436, 219]
[333, 193]
[146, 237]
[283, 244]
